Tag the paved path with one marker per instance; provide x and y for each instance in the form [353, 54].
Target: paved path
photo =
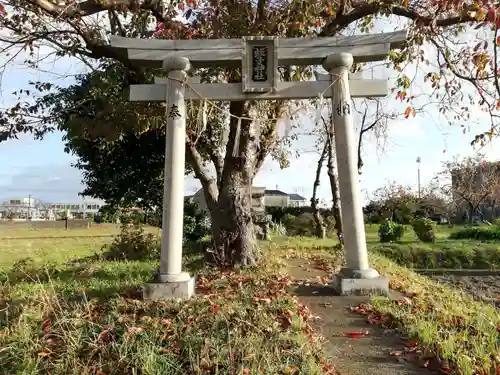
[352, 356]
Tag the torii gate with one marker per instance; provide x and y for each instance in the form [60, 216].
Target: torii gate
[259, 58]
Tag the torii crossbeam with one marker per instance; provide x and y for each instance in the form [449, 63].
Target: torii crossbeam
[259, 59]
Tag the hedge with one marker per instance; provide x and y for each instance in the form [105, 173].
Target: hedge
[477, 233]
[446, 257]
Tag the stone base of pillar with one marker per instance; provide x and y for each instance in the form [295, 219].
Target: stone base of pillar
[170, 287]
[361, 283]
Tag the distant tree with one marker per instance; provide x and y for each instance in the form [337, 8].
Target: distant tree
[402, 204]
[397, 202]
[471, 182]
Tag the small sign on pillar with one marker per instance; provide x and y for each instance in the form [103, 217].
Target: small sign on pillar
[259, 65]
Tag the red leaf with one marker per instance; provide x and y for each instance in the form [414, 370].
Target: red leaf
[46, 324]
[491, 14]
[356, 335]
[215, 308]
[322, 268]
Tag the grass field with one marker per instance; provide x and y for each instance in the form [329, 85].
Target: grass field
[55, 245]
[86, 316]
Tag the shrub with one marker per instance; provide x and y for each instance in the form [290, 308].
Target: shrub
[302, 225]
[287, 220]
[390, 231]
[197, 224]
[497, 222]
[477, 233]
[424, 257]
[132, 244]
[424, 229]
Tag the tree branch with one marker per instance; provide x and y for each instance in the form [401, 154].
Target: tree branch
[210, 190]
[359, 11]
[89, 7]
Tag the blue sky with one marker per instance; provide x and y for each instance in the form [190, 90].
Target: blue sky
[42, 169]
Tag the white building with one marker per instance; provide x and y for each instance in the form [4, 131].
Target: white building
[21, 208]
[24, 208]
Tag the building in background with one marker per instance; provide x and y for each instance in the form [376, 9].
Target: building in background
[266, 198]
[30, 208]
[278, 198]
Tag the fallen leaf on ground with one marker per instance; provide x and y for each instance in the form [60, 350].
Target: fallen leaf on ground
[134, 330]
[291, 370]
[323, 268]
[44, 353]
[215, 308]
[357, 334]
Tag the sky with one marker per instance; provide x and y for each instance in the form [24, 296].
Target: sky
[43, 170]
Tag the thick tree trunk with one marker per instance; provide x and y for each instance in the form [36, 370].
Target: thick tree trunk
[335, 191]
[318, 220]
[232, 226]
[229, 199]
[229, 196]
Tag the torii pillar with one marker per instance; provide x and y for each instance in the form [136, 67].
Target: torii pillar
[357, 277]
[170, 281]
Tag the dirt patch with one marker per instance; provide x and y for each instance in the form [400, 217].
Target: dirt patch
[481, 288]
[368, 354]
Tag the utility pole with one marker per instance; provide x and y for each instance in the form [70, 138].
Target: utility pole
[29, 206]
[418, 175]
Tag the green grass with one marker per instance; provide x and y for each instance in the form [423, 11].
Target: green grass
[54, 246]
[87, 317]
[444, 253]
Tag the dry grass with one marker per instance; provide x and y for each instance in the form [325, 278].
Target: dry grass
[87, 317]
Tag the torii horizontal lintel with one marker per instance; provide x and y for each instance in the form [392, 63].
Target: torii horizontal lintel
[205, 53]
[395, 39]
[299, 56]
[233, 91]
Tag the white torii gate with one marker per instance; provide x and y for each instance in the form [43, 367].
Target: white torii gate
[259, 58]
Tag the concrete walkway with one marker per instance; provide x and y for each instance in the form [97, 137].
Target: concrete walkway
[369, 354]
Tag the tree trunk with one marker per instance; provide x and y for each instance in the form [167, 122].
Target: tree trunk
[229, 197]
[234, 242]
[471, 212]
[335, 191]
[318, 220]
[232, 226]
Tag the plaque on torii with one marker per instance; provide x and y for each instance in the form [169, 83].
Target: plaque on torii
[259, 58]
